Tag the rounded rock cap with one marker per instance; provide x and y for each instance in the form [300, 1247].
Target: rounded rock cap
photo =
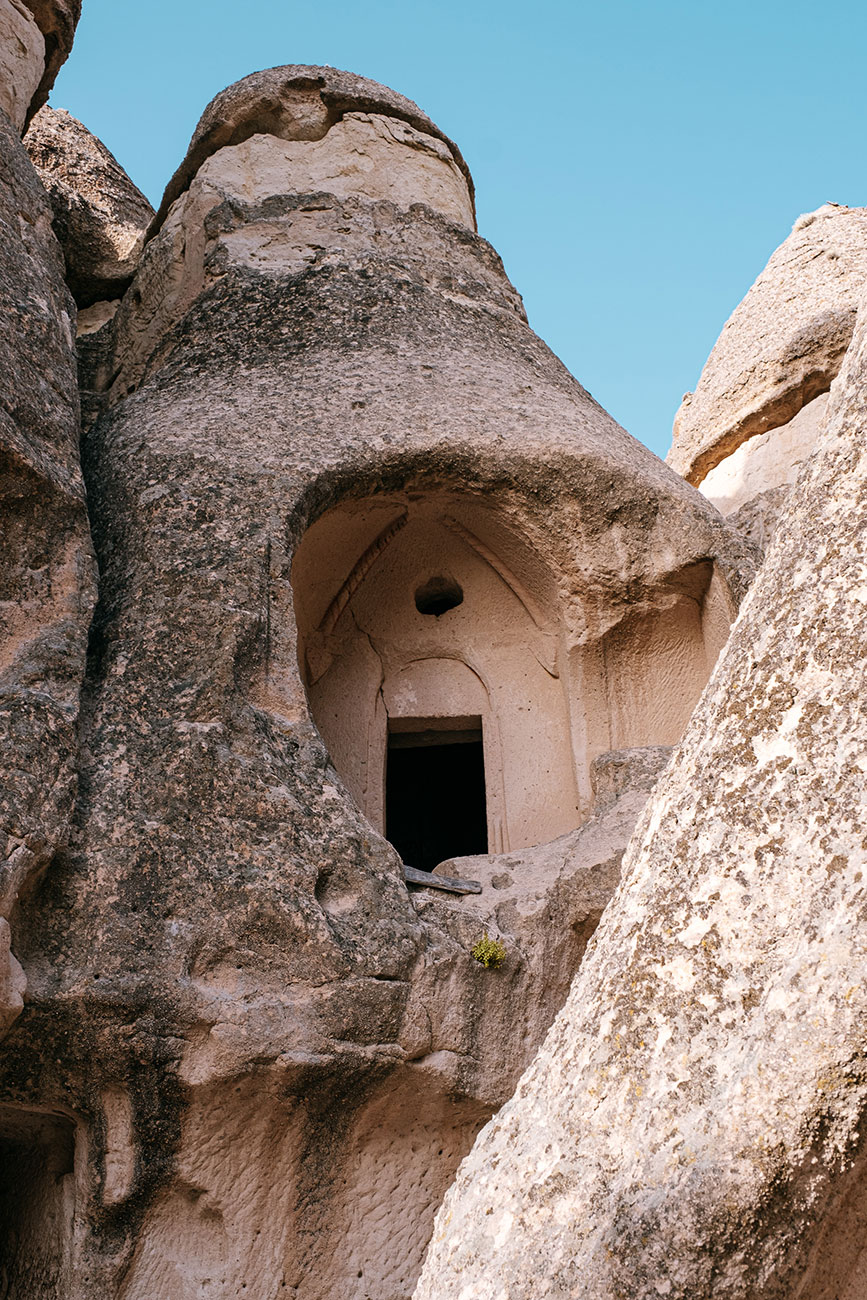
[783, 344]
[294, 102]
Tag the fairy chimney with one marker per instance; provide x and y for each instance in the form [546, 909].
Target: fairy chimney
[382, 589]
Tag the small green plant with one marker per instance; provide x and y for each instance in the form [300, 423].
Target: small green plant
[489, 953]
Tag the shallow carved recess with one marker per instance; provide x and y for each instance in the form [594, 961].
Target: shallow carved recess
[327, 439]
[39, 1199]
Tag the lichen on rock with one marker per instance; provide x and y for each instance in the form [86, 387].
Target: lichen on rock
[694, 1122]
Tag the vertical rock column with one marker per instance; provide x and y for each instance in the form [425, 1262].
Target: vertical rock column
[699, 1103]
[46, 568]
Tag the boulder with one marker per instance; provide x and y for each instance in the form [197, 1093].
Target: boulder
[100, 217]
[779, 350]
[694, 1124]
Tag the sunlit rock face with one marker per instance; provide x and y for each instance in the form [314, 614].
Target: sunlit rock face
[35, 39]
[693, 1125]
[350, 513]
[57, 21]
[100, 217]
[757, 412]
[22, 60]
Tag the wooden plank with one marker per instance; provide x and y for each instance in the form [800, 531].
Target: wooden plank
[415, 877]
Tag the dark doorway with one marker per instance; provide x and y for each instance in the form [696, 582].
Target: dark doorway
[37, 1201]
[435, 790]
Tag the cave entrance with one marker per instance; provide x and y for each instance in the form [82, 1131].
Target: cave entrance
[37, 1204]
[435, 805]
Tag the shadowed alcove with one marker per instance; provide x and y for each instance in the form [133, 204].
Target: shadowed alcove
[37, 1204]
[435, 794]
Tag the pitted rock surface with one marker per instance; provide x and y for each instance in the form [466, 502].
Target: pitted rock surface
[782, 346]
[46, 565]
[100, 217]
[693, 1125]
[543, 903]
[57, 20]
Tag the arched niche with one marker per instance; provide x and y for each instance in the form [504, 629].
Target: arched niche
[429, 614]
[430, 619]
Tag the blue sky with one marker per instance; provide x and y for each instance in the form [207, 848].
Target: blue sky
[635, 162]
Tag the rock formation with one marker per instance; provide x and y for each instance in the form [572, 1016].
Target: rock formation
[351, 515]
[757, 411]
[694, 1125]
[46, 568]
[35, 40]
[100, 217]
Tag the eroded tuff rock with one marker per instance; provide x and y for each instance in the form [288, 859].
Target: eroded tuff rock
[22, 60]
[694, 1125]
[57, 20]
[345, 504]
[296, 102]
[46, 578]
[35, 39]
[779, 350]
[100, 217]
[542, 903]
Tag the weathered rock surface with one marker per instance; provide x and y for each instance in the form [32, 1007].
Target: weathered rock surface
[57, 20]
[22, 60]
[766, 462]
[35, 39]
[295, 102]
[100, 217]
[543, 903]
[781, 347]
[756, 520]
[319, 404]
[46, 578]
[694, 1124]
